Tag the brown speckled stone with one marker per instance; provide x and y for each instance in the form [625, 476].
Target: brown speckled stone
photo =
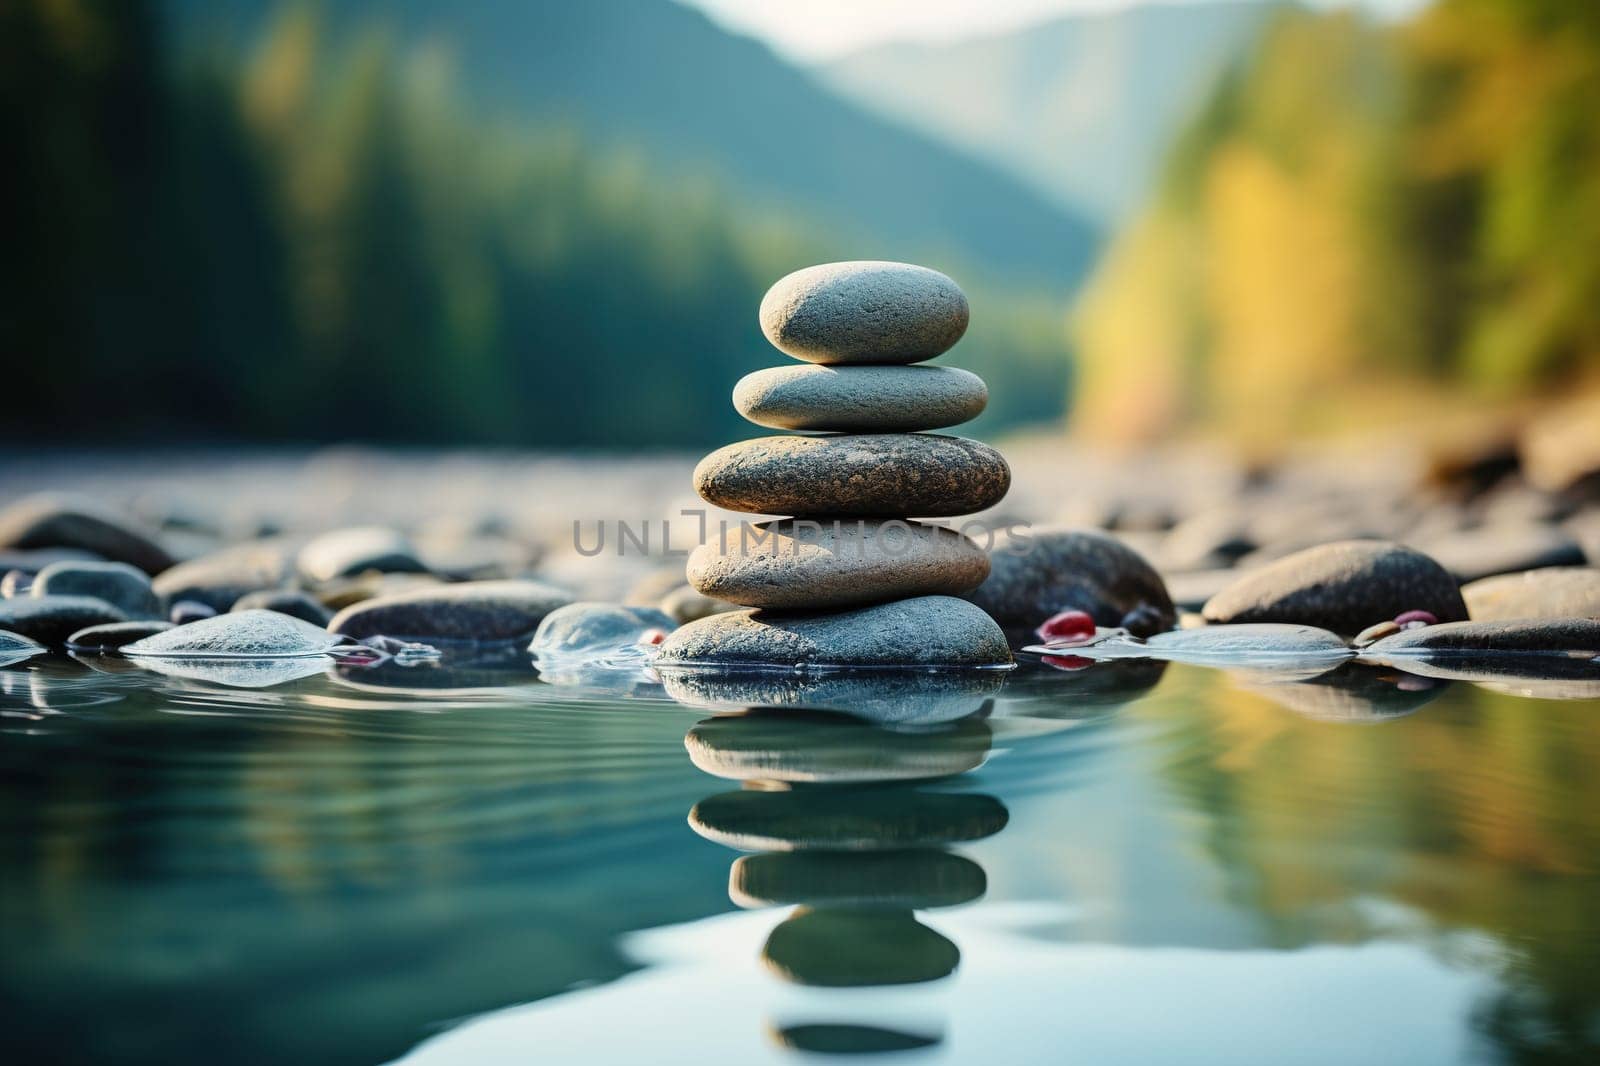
[922, 631]
[853, 399]
[864, 312]
[917, 474]
[1346, 587]
[803, 564]
[1037, 572]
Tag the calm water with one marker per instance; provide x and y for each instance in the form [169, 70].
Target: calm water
[463, 864]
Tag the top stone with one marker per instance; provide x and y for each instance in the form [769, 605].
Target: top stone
[864, 312]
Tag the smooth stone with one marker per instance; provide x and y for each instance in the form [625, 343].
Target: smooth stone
[348, 552]
[846, 819]
[1345, 586]
[650, 589]
[125, 587]
[1250, 642]
[854, 475]
[595, 630]
[881, 697]
[30, 562]
[1208, 540]
[801, 564]
[924, 631]
[865, 311]
[474, 558]
[472, 611]
[1490, 550]
[1539, 636]
[114, 635]
[184, 612]
[817, 747]
[860, 399]
[1554, 592]
[14, 647]
[915, 878]
[220, 578]
[284, 601]
[1191, 589]
[54, 521]
[50, 620]
[685, 604]
[1035, 573]
[865, 948]
[1354, 693]
[241, 635]
[372, 585]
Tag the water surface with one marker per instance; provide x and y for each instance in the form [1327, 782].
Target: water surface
[465, 864]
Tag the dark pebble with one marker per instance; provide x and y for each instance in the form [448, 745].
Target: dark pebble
[50, 521]
[1037, 573]
[52, 619]
[125, 587]
[284, 601]
[114, 635]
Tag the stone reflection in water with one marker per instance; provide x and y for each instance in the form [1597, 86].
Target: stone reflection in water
[885, 696]
[1544, 677]
[846, 829]
[1355, 692]
[1065, 687]
[458, 668]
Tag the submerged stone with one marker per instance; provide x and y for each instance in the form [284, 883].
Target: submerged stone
[865, 311]
[808, 565]
[923, 631]
[854, 475]
[125, 587]
[247, 634]
[471, 611]
[59, 521]
[1345, 586]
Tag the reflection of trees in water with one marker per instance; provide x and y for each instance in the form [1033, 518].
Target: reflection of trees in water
[1481, 812]
[844, 828]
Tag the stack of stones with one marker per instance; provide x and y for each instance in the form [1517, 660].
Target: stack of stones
[850, 580]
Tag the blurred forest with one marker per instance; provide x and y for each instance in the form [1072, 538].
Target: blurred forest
[313, 232]
[1364, 223]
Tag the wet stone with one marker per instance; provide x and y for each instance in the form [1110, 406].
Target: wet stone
[125, 587]
[114, 635]
[816, 747]
[854, 475]
[804, 564]
[883, 697]
[51, 521]
[1346, 587]
[864, 312]
[50, 620]
[246, 634]
[860, 399]
[14, 647]
[1553, 636]
[1037, 573]
[348, 552]
[923, 631]
[472, 611]
[285, 601]
[220, 578]
[1554, 592]
[596, 629]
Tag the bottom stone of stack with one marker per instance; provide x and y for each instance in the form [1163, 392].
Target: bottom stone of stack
[925, 631]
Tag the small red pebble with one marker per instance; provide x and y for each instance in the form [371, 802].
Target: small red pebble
[652, 636]
[1067, 626]
[1415, 620]
[1068, 662]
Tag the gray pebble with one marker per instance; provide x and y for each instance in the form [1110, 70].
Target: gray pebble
[1554, 592]
[860, 399]
[864, 312]
[284, 601]
[51, 620]
[124, 587]
[472, 611]
[348, 552]
[114, 635]
[52, 521]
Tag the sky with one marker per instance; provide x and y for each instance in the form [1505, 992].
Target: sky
[812, 30]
